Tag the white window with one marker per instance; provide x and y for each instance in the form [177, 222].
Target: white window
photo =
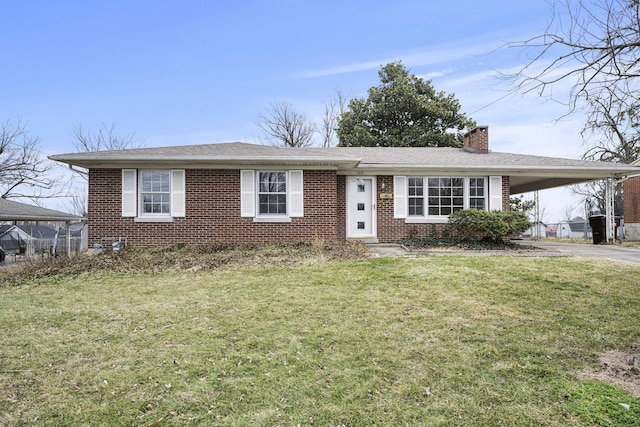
[446, 196]
[478, 193]
[155, 192]
[416, 196]
[153, 195]
[435, 198]
[271, 195]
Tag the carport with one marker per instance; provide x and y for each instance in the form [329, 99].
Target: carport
[14, 212]
[552, 173]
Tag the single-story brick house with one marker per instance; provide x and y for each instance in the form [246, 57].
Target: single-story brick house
[237, 192]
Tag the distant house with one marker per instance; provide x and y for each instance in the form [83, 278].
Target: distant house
[29, 229]
[237, 192]
[551, 230]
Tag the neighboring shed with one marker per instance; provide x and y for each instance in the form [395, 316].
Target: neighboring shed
[537, 230]
[577, 228]
[16, 212]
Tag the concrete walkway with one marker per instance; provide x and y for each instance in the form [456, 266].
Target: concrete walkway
[547, 249]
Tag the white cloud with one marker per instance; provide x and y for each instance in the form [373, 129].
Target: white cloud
[461, 49]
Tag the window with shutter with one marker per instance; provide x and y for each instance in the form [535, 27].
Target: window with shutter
[153, 195]
[271, 196]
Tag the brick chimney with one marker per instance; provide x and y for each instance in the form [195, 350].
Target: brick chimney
[476, 140]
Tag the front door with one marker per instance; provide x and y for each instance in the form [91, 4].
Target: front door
[361, 208]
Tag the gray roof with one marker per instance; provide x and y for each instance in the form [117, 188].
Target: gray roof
[526, 172]
[16, 211]
[206, 156]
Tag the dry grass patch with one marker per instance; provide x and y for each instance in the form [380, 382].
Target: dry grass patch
[187, 258]
[620, 367]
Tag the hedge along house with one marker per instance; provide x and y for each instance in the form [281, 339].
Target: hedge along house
[237, 192]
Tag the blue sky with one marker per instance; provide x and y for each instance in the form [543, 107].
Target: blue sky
[191, 72]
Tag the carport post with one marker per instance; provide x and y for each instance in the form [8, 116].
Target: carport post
[68, 248]
[609, 211]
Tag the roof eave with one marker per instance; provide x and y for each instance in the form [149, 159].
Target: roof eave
[613, 171]
[95, 162]
[40, 218]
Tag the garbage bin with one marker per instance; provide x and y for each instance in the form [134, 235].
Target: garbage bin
[598, 225]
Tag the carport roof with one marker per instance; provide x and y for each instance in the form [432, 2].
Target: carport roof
[16, 211]
[526, 172]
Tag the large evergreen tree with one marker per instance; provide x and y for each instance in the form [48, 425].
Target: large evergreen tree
[403, 111]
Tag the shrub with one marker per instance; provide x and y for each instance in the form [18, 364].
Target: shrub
[517, 221]
[479, 225]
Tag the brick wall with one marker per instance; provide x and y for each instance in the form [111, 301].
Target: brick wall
[212, 212]
[477, 139]
[342, 207]
[631, 192]
[506, 194]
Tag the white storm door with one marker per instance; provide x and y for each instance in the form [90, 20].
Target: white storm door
[361, 207]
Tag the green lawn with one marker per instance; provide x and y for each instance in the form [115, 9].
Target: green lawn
[427, 341]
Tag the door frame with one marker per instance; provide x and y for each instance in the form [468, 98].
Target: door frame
[366, 238]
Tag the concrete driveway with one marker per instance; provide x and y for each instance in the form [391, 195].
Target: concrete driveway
[609, 252]
[548, 248]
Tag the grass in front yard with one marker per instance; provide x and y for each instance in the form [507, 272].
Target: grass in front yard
[437, 341]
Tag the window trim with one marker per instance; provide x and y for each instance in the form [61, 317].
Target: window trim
[258, 193]
[141, 192]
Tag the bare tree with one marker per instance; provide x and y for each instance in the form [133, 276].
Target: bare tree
[611, 134]
[593, 45]
[24, 171]
[594, 193]
[104, 137]
[285, 127]
[569, 212]
[333, 109]
[611, 129]
[328, 125]
[77, 202]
